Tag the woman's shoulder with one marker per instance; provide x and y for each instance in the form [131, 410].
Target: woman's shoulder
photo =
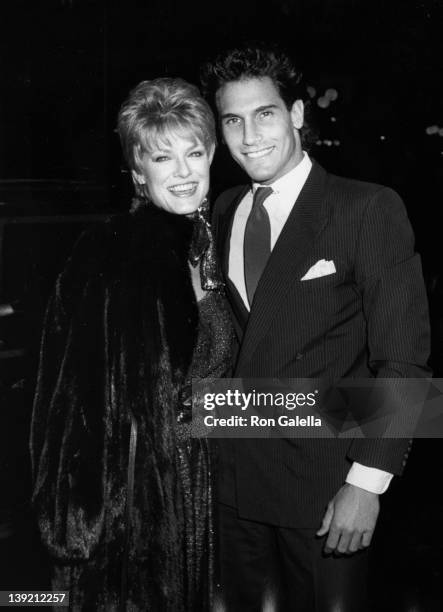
[94, 244]
[147, 237]
[121, 242]
[93, 256]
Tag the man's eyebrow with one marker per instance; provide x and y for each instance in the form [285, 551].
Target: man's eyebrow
[265, 107]
[259, 109]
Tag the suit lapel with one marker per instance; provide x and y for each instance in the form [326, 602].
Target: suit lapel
[226, 228]
[238, 309]
[286, 262]
[225, 224]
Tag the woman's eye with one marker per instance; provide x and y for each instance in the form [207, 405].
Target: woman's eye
[197, 154]
[161, 158]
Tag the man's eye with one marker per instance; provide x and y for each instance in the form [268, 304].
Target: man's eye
[232, 121]
[266, 114]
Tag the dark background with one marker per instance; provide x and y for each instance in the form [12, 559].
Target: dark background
[67, 65]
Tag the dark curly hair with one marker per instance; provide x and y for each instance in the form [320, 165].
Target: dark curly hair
[254, 60]
[257, 60]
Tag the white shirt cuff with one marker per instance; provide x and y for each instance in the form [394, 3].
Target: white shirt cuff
[368, 478]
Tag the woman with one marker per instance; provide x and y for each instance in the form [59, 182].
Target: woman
[121, 490]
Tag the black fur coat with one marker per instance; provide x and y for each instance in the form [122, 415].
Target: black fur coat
[118, 338]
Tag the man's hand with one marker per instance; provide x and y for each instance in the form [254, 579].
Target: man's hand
[350, 520]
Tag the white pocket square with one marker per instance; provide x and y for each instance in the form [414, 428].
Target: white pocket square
[321, 268]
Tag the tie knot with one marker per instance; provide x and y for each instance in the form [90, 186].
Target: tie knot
[260, 195]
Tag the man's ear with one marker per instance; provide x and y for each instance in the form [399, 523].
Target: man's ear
[297, 114]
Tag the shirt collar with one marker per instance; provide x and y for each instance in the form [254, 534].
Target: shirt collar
[292, 180]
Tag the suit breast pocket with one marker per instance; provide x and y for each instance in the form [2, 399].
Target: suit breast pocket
[329, 281]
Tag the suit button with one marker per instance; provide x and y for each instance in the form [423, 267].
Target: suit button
[299, 356]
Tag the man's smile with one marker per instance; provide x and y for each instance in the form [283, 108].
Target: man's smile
[259, 153]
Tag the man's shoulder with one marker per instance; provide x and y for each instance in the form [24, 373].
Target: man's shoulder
[223, 202]
[347, 193]
[354, 187]
[225, 199]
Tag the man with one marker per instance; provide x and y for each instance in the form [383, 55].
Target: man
[324, 283]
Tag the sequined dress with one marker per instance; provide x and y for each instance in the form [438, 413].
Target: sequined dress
[211, 358]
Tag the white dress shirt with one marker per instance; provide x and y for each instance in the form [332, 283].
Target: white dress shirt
[278, 204]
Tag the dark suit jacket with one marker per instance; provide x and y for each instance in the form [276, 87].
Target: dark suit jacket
[369, 319]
